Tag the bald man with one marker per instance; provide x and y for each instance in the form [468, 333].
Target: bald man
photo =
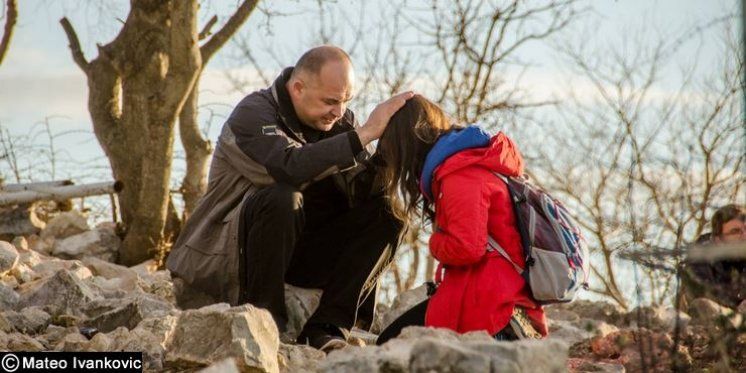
[290, 199]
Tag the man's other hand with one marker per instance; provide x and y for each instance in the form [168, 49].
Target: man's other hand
[379, 118]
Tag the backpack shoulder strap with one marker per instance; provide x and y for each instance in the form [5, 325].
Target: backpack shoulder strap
[501, 176]
[496, 247]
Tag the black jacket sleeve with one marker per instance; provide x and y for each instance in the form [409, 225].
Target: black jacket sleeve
[261, 136]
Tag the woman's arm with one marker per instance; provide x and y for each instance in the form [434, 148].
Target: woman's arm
[461, 213]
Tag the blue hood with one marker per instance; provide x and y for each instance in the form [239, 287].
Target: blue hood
[446, 146]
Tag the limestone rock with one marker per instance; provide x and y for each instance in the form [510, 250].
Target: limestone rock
[227, 365]
[65, 224]
[62, 293]
[100, 243]
[138, 339]
[657, 318]
[393, 356]
[116, 288]
[160, 327]
[301, 304]
[145, 268]
[20, 242]
[8, 257]
[6, 326]
[50, 267]
[432, 355]
[420, 349]
[567, 332]
[73, 342]
[705, 312]
[30, 320]
[100, 342]
[159, 284]
[23, 273]
[577, 365]
[597, 310]
[41, 245]
[298, 358]
[21, 342]
[128, 313]
[9, 281]
[108, 270]
[8, 297]
[54, 334]
[210, 334]
[625, 345]
[31, 258]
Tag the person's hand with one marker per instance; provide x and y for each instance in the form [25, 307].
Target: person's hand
[379, 118]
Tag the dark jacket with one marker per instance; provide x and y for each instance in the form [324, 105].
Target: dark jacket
[261, 143]
[723, 281]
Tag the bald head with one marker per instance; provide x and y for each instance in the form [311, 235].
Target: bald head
[314, 59]
[320, 86]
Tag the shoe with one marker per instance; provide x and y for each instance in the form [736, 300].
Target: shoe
[324, 337]
[521, 325]
[506, 335]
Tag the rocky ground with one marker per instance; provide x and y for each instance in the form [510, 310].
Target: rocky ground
[59, 291]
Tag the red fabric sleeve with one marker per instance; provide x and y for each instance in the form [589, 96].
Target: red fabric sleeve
[461, 212]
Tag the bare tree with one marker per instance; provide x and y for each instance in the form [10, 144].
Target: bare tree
[138, 84]
[473, 42]
[643, 166]
[11, 17]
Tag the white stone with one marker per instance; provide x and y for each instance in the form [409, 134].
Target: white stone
[8, 257]
[210, 334]
[65, 224]
[96, 243]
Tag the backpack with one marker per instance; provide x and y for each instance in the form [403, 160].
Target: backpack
[557, 260]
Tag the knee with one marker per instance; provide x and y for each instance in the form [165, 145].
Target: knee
[283, 199]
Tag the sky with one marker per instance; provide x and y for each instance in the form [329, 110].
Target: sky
[39, 81]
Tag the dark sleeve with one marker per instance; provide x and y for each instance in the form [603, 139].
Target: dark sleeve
[355, 143]
[260, 136]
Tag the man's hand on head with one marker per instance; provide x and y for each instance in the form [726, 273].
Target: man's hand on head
[379, 118]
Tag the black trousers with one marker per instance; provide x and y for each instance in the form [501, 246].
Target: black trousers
[414, 316]
[313, 239]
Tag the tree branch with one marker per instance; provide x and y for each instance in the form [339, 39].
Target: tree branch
[229, 28]
[72, 37]
[10, 22]
[206, 30]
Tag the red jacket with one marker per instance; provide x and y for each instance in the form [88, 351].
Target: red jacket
[479, 289]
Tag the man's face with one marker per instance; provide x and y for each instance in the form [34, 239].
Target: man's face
[734, 230]
[321, 100]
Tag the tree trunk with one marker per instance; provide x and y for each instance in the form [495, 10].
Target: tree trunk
[137, 87]
[197, 150]
[153, 62]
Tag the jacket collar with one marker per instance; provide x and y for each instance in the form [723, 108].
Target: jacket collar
[447, 145]
[286, 110]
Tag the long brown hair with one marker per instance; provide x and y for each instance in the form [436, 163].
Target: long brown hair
[404, 145]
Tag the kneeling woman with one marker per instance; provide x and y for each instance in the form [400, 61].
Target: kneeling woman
[449, 172]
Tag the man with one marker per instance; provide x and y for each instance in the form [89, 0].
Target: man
[729, 224]
[291, 199]
[724, 280]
